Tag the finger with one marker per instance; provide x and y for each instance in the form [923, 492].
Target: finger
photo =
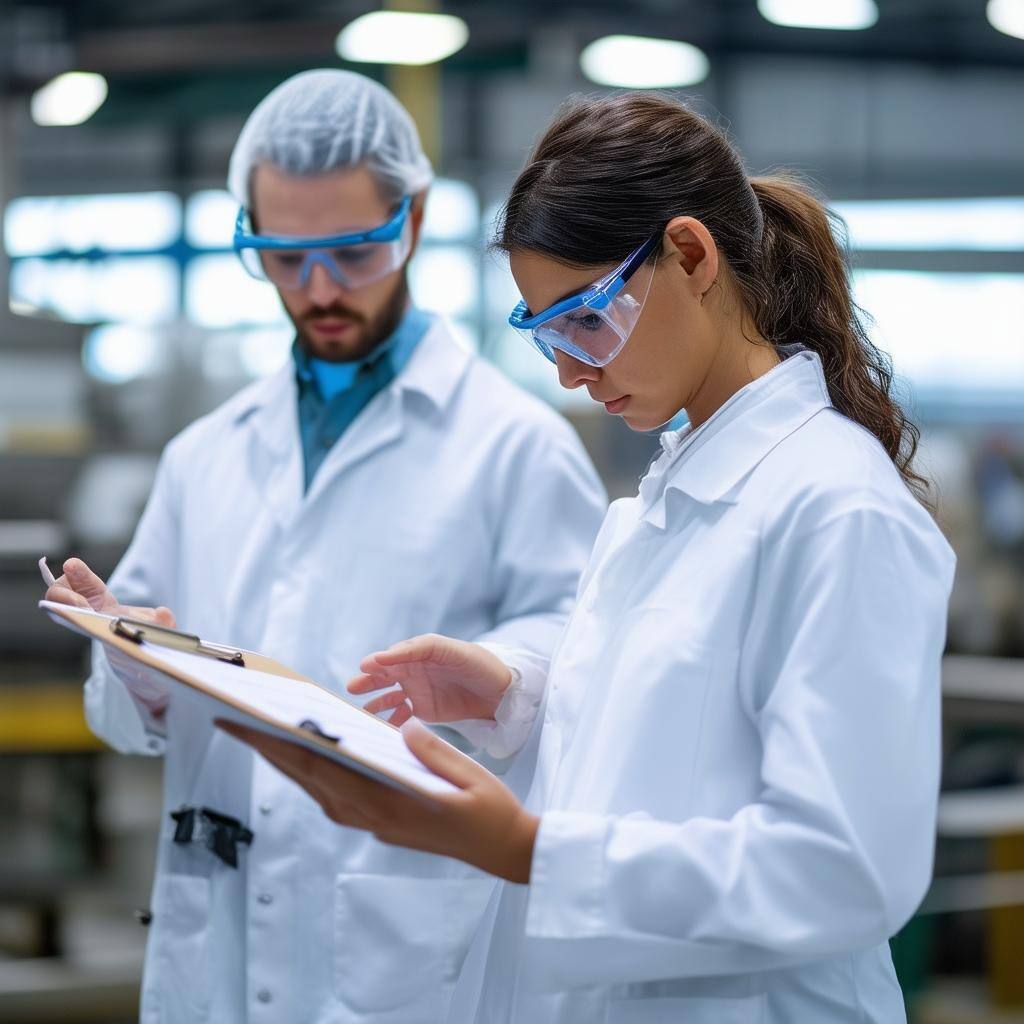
[401, 715]
[85, 582]
[65, 595]
[368, 683]
[158, 616]
[440, 757]
[419, 648]
[386, 702]
[164, 616]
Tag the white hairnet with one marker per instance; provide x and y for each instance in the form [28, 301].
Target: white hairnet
[318, 121]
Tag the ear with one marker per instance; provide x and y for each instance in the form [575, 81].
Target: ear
[695, 251]
[416, 211]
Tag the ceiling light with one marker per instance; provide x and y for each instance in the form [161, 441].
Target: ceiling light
[637, 62]
[70, 98]
[399, 37]
[834, 14]
[1007, 16]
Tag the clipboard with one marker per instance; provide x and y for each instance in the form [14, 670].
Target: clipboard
[374, 747]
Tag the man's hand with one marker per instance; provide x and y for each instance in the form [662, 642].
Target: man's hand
[482, 824]
[82, 588]
[445, 680]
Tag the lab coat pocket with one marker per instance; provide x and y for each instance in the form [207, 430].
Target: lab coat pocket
[399, 944]
[178, 980]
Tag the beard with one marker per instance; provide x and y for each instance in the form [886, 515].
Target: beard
[368, 334]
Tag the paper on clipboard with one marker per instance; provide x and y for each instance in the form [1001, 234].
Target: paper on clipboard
[291, 701]
[275, 701]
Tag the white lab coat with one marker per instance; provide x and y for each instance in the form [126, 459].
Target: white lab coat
[739, 755]
[454, 503]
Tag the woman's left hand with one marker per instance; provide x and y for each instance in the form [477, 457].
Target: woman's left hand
[483, 824]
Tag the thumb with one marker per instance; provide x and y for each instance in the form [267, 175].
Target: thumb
[84, 581]
[440, 757]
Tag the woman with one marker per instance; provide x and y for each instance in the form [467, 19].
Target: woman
[737, 757]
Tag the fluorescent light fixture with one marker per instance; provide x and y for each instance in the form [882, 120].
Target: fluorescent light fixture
[400, 37]
[453, 212]
[118, 353]
[1006, 16]
[71, 98]
[957, 225]
[37, 225]
[921, 320]
[210, 218]
[834, 14]
[638, 62]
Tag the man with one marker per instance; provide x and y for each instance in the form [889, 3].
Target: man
[385, 483]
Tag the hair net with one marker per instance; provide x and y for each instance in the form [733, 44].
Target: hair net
[318, 121]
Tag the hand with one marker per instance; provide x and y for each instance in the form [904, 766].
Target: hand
[82, 588]
[445, 680]
[483, 824]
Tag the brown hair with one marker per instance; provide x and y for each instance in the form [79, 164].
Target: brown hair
[610, 172]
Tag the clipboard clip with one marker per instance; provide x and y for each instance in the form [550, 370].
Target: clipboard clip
[314, 727]
[164, 636]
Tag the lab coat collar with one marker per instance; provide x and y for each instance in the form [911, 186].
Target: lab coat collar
[708, 463]
[436, 366]
[270, 407]
[434, 370]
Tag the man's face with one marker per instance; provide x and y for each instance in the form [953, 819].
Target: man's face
[333, 323]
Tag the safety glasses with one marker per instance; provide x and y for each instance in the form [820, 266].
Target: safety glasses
[594, 324]
[353, 260]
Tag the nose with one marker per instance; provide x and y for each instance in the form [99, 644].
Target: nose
[573, 373]
[321, 289]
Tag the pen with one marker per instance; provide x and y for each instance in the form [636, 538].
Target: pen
[44, 571]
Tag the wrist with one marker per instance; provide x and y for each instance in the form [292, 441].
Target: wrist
[520, 851]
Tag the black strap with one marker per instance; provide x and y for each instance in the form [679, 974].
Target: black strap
[218, 832]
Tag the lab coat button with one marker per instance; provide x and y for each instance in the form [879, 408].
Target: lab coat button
[265, 808]
[264, 995]
[265, 898]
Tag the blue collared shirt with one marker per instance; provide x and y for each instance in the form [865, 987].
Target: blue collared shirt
[331, 395]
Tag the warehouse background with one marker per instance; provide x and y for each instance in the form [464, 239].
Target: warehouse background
[124, 315]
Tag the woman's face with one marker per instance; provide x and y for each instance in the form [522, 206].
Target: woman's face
[666, 357]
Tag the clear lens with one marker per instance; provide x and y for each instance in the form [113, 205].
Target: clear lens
[596, 336]
[350, 266]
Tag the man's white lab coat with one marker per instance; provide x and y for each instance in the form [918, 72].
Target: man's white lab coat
[454, 503]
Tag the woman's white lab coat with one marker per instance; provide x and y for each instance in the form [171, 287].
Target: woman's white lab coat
[454, 503]
[739, 755]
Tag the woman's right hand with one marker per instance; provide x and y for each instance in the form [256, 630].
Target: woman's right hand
[444, 680]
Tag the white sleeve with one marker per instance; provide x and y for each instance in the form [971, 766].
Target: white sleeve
[122, 708]
[835, 852]
[505, 734]
[549, 504]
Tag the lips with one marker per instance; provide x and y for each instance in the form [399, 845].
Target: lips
[332, 326]
[617, 405]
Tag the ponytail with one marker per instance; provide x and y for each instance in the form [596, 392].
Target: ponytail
[802, 294]
[611, 171]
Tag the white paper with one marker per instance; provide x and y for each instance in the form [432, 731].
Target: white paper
[58, 606]
[292, 701]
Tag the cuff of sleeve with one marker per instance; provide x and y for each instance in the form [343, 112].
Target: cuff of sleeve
[567, 877]
[149, 697]
[514, 716]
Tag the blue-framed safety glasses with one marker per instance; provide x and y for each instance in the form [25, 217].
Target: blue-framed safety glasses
[353, 260]
[594, 324]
